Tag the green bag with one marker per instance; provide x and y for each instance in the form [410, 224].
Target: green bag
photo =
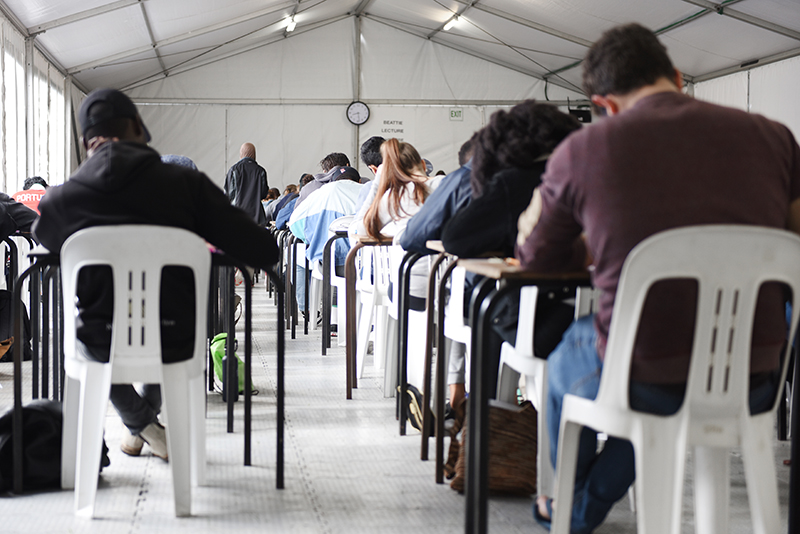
[218, 352]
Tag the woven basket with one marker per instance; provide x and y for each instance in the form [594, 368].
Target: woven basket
[512, 450]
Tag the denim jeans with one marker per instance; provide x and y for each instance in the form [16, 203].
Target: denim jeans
[300, 288]
[602, 479]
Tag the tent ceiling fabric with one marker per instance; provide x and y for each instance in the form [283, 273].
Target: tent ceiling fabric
[125, 43]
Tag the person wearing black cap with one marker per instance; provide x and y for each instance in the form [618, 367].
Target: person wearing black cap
[119, 184]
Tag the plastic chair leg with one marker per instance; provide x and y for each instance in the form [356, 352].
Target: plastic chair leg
[381, 331]
[69, 445]
[711, 489]
[364, 327]
[341, 316]
[177, 404]
[545, 475]
[660, 468]
[759, 470]
[567, 463]
[389, 351]
[198, 432]
[94, 385]
[314, 299]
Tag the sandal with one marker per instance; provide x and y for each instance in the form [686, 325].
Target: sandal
[542, 520]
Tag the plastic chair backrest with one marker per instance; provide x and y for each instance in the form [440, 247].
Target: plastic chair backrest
[729, 263]
[137, 254]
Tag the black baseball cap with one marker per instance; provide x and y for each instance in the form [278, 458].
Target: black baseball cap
[118, 105]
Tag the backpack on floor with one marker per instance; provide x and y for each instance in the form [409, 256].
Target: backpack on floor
[218, 353]
[41, 423]
[7, 328]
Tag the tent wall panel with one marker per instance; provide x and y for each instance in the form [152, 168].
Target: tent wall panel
[728, 91]
[773, 93]
[430, 129]
[197, 132]
[289, 140]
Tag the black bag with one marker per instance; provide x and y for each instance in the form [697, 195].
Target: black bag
[41, 423]
[7, 328]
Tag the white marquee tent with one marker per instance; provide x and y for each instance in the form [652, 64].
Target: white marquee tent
[211, 74]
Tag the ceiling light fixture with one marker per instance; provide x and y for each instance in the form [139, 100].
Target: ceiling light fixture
[291, 24]
[450, 23]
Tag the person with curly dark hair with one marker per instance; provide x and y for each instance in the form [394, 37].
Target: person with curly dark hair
[509, 157]
[507, 164]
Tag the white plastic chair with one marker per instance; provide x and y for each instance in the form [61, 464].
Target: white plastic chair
[729, 263]
[136, 254]
[373, 291]
[518, 359]
[380, 310]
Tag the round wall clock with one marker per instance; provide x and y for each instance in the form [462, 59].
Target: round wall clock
[357, 113]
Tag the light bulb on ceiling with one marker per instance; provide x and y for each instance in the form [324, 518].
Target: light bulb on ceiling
[450, 23]
[291, 24]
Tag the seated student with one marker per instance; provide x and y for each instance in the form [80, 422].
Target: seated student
[454, 192]
[510, 156]
[332, 166]
[401, 191]
[33, 189]
[310, 222]
[115, 185]
[659, 160]
[371, 157]
[273, 209]
[285, 212]
[272, 196]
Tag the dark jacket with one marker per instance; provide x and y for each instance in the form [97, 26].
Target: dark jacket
[453, 193]
[336, 173]
[245, 185]
[14, 216]
[126, 183]
[489, 222]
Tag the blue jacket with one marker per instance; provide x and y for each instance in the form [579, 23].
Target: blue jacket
[453, 193]
[311, 220]
[282, 218]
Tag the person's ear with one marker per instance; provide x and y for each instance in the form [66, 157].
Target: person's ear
[138, 129]
[678, 80]
[608, 102]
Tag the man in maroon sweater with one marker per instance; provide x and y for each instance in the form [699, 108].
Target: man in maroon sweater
[660, 160]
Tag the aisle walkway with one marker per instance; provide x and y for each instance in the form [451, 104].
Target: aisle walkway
[347, 469]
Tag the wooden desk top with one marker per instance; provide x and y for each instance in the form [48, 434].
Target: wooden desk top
[500, 269]
[371, 241]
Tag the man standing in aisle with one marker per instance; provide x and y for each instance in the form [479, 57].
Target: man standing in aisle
[246, 184]
[660, 160]
[115, 186]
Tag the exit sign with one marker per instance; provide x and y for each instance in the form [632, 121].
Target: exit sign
[456, 114]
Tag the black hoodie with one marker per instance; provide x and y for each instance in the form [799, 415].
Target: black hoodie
[126, 183]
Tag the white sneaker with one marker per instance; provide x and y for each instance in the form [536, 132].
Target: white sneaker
[131, 445]
[155, 436]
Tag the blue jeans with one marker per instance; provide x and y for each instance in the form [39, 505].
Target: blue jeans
[603, 479]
